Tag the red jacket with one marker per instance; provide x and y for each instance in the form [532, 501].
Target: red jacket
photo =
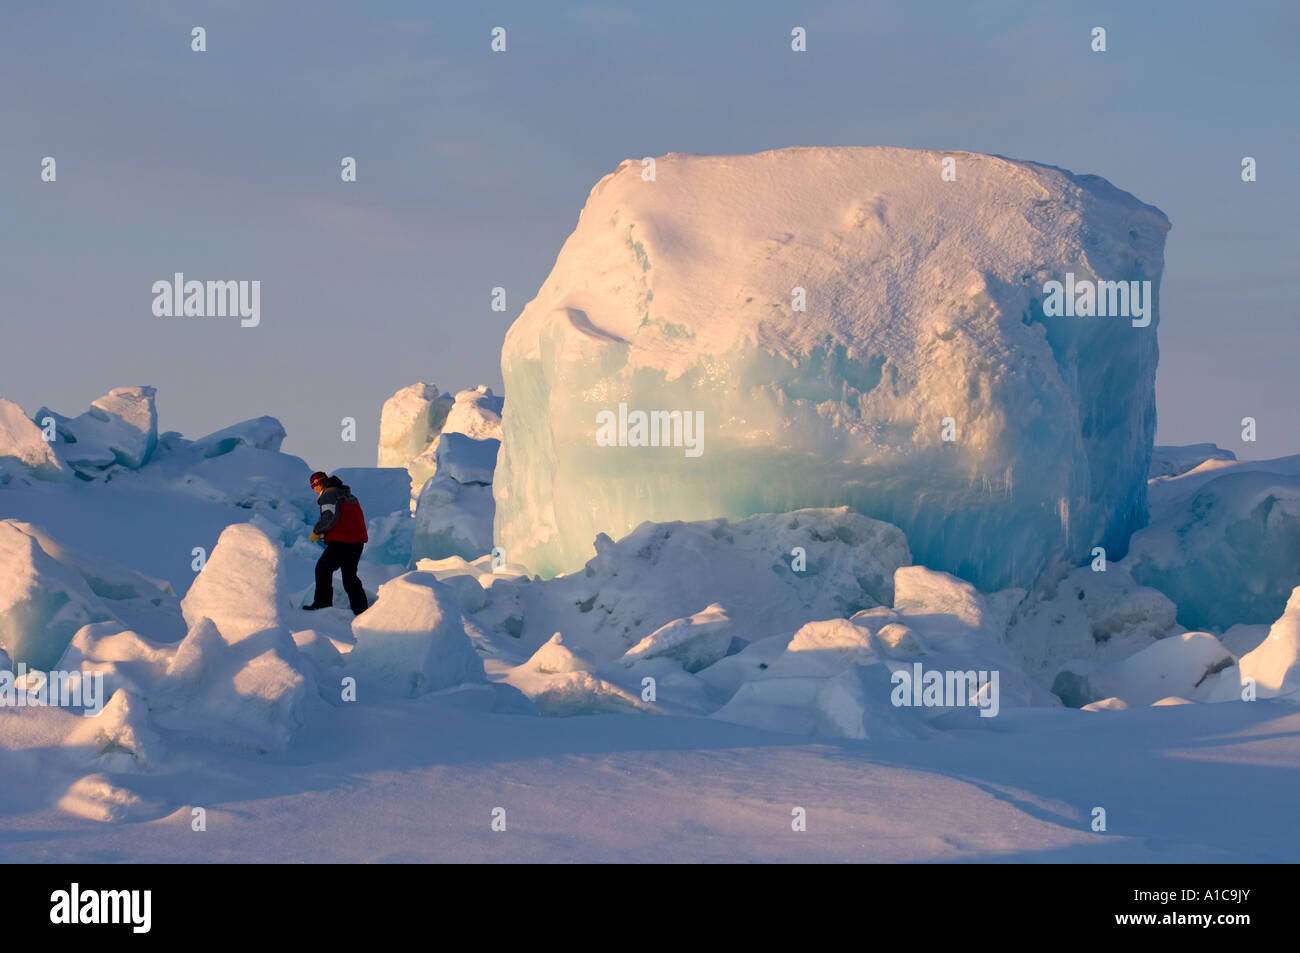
[341, 517]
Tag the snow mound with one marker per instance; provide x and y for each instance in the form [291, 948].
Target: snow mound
[1275, 663]
[1187, 665]
[241, 586]
[412, 640]
[22, 442]
[128, 662]
[1229, 553]
[1175, 461]
[97, 798]
[694, 642]
[121, 737]
[774, 572]
[42, 602]
[1167, 494]
[1106, 704]
[560, 683]
[832, 313]
[556, 658]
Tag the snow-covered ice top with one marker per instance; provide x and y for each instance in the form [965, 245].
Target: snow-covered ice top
[833, 312]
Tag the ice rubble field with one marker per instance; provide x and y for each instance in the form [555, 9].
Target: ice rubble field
[480, 687]
[1161, 689]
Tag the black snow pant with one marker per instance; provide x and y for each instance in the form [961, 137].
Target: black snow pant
[344, 556]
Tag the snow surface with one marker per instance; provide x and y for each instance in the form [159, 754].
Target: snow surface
[923, 303]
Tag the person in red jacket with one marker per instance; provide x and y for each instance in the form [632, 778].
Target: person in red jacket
[343, 527]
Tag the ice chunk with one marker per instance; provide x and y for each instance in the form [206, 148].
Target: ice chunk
[196, 654]
[119, 428]
[832, 314]
[253, 692]
[694, 642]
[559, 682]
[1275, 663]
[476, 414]
[23, 442]
[1229, 553]
[381, 490]
[319, 647]
[260, 433]
[106, 578]
[900, 640]
[241, 587]
[826, 648]
[455, 511]
[409, 421]
[773, 572]
[423, 467]
[924, 591]
[391, 538]
[412, 640]
[271, 484]
[1091, 616]
[853, 703]
[556, 658]
[452, 519]
[466, 460]
[42, 602]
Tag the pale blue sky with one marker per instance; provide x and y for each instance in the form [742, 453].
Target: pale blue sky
[473, 167]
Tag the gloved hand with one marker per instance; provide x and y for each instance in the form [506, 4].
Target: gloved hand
[315, 537]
